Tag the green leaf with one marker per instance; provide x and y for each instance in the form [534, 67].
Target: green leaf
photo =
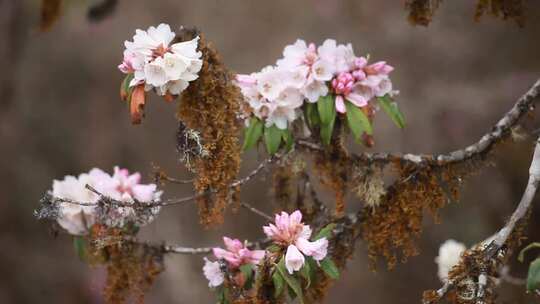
[247, 271]
[279, 283]
[533, 277]
[288, 139]
[253, 133]
[327, 109]
[521, 255]
[305, 272]
[311, 115]
[292, 282]
[330, 268]
[327, 131]
[79, 243]
[392, 110]
[326, 232]
[358, 121]
[272, 139]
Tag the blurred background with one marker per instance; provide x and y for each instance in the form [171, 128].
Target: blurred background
[60, 114]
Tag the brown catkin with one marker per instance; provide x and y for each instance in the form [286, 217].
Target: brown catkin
[210, 105]
[392, 228]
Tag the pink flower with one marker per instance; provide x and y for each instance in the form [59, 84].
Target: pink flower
[379, 68]
[129, 187]
[346, 87]
[237, 254]
[291, 232]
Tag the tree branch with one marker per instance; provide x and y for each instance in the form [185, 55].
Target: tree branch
[503, 127]
[501, 237]
[109, 200]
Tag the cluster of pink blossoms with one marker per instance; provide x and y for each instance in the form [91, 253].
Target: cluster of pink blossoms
[121, 186]
[306, 73]
[288, 231]
[235, 255]
[291, 232]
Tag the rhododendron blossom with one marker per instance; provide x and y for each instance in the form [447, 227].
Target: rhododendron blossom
[289, 231]
[77, 215]
[311, 70]
[307, 73]
[237, 254]
[273, 95]
[158, 63]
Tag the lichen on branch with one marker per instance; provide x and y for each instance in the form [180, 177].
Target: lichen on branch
[210, 106]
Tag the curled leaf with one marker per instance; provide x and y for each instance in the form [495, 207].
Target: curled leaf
[137, 104]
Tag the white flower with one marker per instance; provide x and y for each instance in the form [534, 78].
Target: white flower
[157, 63]
[147, 42]
[270, 82]
[76, 217]
[154, 73]
[315, 90]
[174, 65]
[212, 272]
[174, 87]
[309, 71]
[379, 84]
[340, 56]
[294, 259]
[272, 95]
[285, 108]
[449, 256]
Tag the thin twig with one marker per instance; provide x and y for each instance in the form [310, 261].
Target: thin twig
[169, 202]
[256, 211]
[176, 180]
[205, 250]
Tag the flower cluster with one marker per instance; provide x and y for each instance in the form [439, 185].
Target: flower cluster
[235, 255]
[307, 74]
[449, 256]
[292, 257]
[77, 212]
[153, 61]
[290, 232]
